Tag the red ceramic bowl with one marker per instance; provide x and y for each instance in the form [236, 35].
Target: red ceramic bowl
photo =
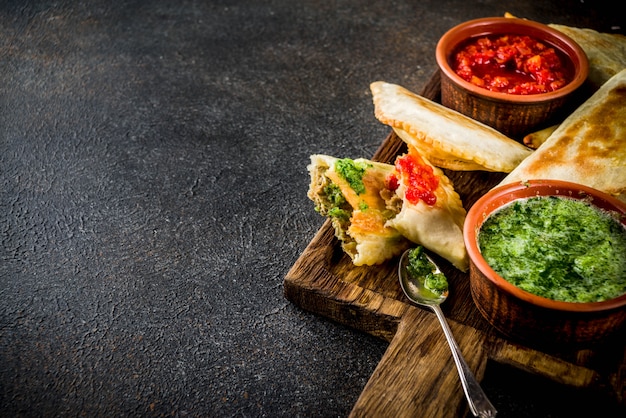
[522, 315]
[512, 114]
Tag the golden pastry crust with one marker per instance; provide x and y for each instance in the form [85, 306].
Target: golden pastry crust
[442, 135]
[588, 147]
[535, 139]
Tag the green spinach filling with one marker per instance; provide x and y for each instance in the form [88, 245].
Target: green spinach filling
[336, 204]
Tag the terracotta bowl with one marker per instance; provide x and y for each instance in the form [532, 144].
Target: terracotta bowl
[512, 114]
[524, 316]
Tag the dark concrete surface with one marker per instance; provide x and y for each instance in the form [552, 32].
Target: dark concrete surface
[153, 193]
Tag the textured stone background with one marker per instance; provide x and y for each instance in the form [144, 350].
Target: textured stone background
[153, 196]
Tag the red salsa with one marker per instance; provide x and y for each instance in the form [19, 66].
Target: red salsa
[514, 64]
[418, 177]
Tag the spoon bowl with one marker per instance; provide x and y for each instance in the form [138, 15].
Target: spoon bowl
[414, 288]
[416, 292]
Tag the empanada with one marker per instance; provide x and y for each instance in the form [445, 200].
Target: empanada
[535, 139]
[588, 147]
[432, 213]
[447, 138]
[378, 209]
[349, 193]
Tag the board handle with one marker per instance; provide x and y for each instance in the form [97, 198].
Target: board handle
[417, 375]
[477, 400]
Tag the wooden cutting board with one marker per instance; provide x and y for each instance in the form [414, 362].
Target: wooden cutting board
[416, 376]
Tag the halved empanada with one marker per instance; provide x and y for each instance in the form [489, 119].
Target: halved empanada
[378, 209]
[349, 193]
[432, 213]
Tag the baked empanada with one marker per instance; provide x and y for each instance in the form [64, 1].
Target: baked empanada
[349, 193]
[535, 139]
[445, 137]
[378, 210]
[588, 147]
[432, 213]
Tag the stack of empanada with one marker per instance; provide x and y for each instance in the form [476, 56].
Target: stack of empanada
[375, 220]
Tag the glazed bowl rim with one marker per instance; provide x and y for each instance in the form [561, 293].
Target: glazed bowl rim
[508, 193]
[481, 27]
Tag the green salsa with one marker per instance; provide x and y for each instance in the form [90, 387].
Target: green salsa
[420, 268]
[556, 247]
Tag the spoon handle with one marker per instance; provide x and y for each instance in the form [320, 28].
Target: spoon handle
[477, 399]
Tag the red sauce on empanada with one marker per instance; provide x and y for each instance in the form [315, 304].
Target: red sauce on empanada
[418, 177]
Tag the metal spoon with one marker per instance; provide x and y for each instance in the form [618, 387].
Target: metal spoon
[414, 290]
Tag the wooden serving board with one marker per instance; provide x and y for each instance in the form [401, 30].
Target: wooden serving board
[416, 376]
